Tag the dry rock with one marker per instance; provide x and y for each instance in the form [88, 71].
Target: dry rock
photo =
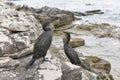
[59, 17]
[17, 30]
[6, 63]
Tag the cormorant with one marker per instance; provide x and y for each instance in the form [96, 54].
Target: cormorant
[42, 44]
[71, 53]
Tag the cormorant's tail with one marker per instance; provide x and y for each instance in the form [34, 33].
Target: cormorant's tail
[30, 63]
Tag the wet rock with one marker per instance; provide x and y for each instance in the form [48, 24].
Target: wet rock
[91, 12]
[80, 14]
[6, 63]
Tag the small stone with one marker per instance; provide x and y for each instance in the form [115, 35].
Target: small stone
[76, 42]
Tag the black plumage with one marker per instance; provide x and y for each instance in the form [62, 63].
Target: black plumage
[42, 44]
[71, 53]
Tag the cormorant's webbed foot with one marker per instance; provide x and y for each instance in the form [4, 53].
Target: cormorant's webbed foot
[46, 60]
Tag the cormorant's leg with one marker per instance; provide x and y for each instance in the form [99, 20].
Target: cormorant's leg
[46, 60]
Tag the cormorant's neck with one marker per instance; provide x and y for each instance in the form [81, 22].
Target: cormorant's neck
[46, 27]
[67, 39]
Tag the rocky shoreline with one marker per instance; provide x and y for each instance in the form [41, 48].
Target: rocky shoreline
[19, 28]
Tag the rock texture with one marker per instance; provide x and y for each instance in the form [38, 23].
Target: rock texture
[60, 17]
[48, 70]
[18, 31]
[6, 63]
[76, 42]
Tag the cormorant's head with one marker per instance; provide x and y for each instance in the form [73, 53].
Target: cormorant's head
[67, 35]
[46, 25]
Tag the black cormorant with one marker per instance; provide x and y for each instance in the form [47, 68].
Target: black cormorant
[42, 44]
[71, 53]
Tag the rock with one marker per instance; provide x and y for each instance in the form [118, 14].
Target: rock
[63, 19]
[91, 12]
[7, 75]
[47, 70]
[79, 14]
[19, 26]
[18, 31]
[56, 52]
[22, 53]
[4, 31]
[4, 38]
[7, 63]
[59, 17]
[71, 72]
[99, 30]
[21, 42]
[76, 42]
[50, 71]
[7, 48]
[99, 64]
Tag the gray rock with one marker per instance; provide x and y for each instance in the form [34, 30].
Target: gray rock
[91, 12]
[71, 72]
[4, 38]
[7, 75]
[7, 48]
[60, 17]
[6, 63]
[47, 70]
[17, 31]
[4, 30]
[19, 26]
[80, 14]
